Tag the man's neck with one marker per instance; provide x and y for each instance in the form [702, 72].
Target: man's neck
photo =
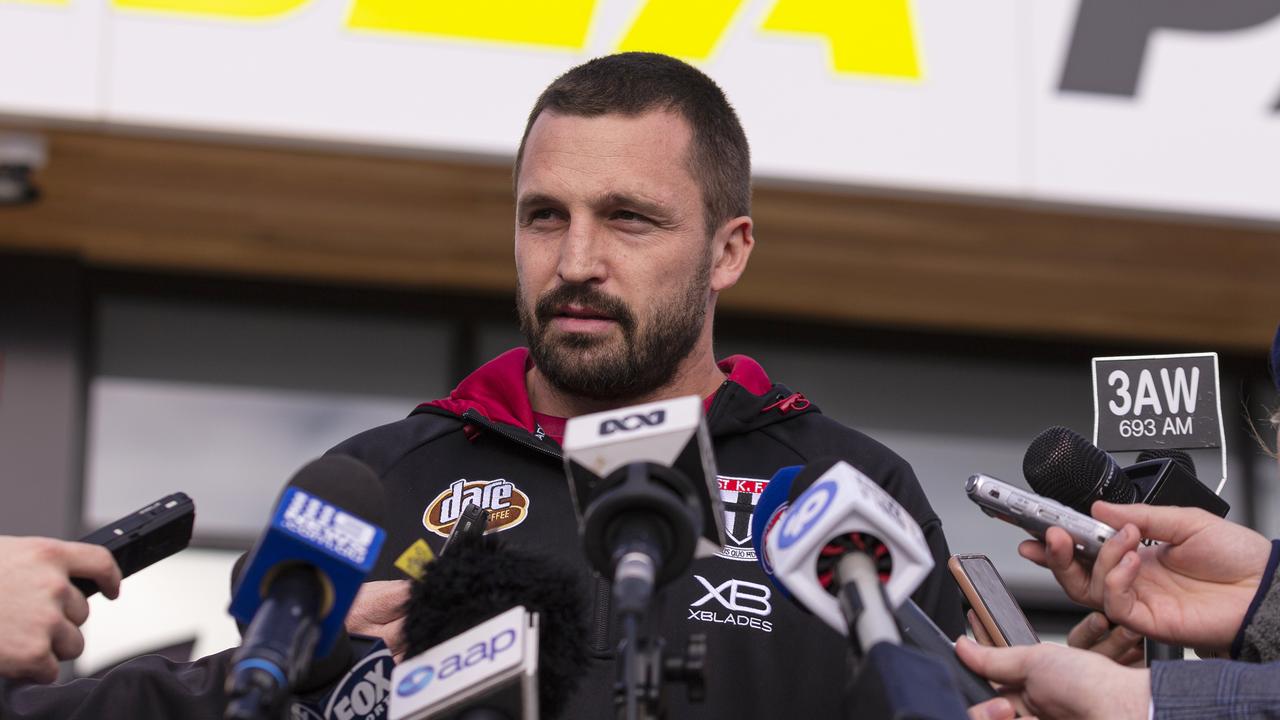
[699, 375]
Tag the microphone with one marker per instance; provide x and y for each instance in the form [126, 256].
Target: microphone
[1062, 465]
[876, 509]
[643, 481]
[492, 632]
[770, 507]
[836, 511]
[1179, 457]
[322, 671]
[301, 578]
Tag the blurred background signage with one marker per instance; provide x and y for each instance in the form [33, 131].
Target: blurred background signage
[1165, 106]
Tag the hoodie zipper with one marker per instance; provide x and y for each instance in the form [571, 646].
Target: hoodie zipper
[472, 416]
[599, 640]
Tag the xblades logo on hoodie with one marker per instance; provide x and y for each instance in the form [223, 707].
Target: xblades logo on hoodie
[508, 506]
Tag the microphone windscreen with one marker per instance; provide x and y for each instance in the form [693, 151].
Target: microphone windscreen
[344, 482]
[1179, 458]
[1063, 466]
[481, 578]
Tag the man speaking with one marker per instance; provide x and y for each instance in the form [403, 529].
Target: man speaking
[633, 195]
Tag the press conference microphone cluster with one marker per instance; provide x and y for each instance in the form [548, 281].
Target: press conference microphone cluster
[492, 633]
[842, 548]
[300, 579]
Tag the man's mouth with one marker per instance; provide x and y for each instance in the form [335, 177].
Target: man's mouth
[579, 312]
[581, 319]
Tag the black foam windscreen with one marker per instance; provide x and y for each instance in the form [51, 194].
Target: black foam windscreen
[481, 578]
[344, 482]
[1179, 457]
[1062, 465]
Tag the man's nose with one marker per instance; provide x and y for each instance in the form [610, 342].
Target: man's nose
[582, 257]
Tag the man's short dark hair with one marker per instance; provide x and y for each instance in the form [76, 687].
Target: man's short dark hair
[634, 83]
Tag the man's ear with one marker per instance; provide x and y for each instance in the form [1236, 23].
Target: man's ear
[731, 249]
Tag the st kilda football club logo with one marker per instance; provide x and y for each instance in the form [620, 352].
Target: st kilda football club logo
[739, 496]
[507, 505]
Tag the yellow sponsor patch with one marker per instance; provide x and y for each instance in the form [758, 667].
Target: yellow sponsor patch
[415, 559]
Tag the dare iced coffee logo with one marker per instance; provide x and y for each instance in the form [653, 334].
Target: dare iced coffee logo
[507, 505]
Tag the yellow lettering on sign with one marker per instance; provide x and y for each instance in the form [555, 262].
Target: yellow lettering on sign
[550, 23]
[687, 30]
[229, 9]
[867, 37]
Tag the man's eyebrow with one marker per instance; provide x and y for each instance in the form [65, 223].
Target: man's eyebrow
[535, 199]
[639, 204]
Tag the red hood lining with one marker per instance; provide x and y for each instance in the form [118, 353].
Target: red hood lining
[497, 389]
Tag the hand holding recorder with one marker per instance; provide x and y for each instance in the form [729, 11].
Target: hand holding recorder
[1193, 588]
[41, 612]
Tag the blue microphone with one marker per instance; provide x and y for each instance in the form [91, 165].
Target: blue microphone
[301, 578]
[770, 506]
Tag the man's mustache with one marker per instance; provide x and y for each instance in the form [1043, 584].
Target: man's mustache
[551, 303]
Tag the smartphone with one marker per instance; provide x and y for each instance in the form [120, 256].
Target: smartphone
[1036, 513]
[145, 537]
[994, 605]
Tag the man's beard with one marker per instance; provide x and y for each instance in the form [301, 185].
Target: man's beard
[606, 368]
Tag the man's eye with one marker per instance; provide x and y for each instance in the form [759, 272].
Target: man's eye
[629, 216]
[542, 214]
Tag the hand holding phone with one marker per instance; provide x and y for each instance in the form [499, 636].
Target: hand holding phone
[997, 610]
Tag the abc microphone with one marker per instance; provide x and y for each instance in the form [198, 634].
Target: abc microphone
[492, 633]
[643, 481]
[301, 578]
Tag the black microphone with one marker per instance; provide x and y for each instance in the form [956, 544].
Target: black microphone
[477, 580]
[1168, 477]
[1179, 457]
[1062, 465]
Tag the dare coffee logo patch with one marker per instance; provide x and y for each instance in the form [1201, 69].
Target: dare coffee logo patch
[508, 506]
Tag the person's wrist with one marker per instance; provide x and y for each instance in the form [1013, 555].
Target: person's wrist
[1134, 696]
[1260, 594]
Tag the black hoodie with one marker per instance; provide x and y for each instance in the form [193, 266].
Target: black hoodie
[766, 658]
